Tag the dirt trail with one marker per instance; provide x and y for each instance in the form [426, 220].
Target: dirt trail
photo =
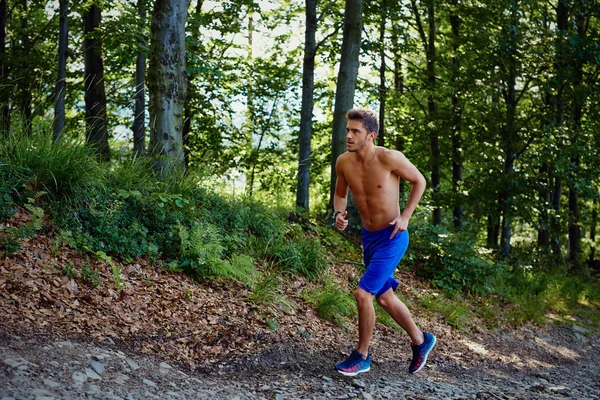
[558, 361]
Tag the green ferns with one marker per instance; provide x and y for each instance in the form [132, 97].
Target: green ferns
[202, 254]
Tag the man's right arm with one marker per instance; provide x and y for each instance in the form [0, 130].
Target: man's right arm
[340, 197]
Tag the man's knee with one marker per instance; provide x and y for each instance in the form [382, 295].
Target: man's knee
[362, 295]
[385, 300]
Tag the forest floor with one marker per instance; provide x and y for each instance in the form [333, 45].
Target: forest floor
[163, 335]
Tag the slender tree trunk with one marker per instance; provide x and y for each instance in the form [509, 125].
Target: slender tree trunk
[432, 108]
[543, 238]
[594, 224]
[61, 78]
[306, 111]
[139, 120]
[187, 118]
[511, 135]
[167, 83]
[560, 66]
[95, 95]
[578, 101]
[457, 161]
[344, 94]
[382, 67]
[398, 75]
[25, 84]
[4, 92]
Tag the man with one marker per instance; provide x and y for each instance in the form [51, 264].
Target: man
[373, 173]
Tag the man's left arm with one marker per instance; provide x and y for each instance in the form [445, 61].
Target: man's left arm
[404, 169]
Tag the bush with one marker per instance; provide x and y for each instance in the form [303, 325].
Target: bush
[62, 169]
[451, 260]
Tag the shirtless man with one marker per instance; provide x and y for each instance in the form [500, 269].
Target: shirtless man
[373, 173]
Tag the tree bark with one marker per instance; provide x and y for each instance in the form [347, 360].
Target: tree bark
[306, 111]
[168, 84]
[4, 94]
[187, 117]
[344, 94]
[25, 83]
[382, 67]
[139, 121]
[457, 159]
[61, 78]
[578, 101]
[511, 135]
[95, 95]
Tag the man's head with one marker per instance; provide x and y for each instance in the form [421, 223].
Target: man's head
[362, 124]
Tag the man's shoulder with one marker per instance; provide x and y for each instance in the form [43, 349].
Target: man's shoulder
[386, 154]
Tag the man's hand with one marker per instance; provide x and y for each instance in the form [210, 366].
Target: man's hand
[401, 225]
[340, 221]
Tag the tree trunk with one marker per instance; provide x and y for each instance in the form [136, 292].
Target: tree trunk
[306, 112]
[457, 161]
[139, 121]
[4, 94]
[382, 67]
[95, 95]
[578, 101]
[561, 71]
[187, 115]
[25, 83]
[594, 224]
[432, 108]
[344, 94]
[61, 78]
[167, 83]
[511, 135]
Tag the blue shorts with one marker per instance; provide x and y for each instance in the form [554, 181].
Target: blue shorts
[381, 257]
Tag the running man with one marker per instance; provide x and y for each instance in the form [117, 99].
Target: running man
[373, 173]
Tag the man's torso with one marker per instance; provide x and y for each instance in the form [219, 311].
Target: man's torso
[374, 187]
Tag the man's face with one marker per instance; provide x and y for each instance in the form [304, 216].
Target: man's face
[357, 136]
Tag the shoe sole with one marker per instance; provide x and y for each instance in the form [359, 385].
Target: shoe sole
[426, 355]
[353, 373]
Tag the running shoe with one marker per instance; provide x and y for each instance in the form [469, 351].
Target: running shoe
[420, 353]
[354, 365]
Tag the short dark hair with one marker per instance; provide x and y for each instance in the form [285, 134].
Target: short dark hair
[368, 118]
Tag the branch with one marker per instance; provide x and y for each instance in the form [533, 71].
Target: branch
[335, 31]
[418, 102]
[420, 25]
[327, 8]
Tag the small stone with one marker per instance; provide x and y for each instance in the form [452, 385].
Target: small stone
[327, 379]
[92, 374]
[358, 383]
[580, 329]
[121, 379]
[148, 383]
[132, 364]
[96, 366]
[79, 377]
[164, 365]
[367, 396]
[565, 391]
[50, 383]
[279, 396]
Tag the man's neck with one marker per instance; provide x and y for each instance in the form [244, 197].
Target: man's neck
[365, 155]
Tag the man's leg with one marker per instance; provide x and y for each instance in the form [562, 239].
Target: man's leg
[399, 312]
[366, 319]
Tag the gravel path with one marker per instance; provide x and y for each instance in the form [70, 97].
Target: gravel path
[561, 361]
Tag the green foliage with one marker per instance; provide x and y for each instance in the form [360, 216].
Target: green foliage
[9, 240]
[8, 188]
[116, 271]
[332, 303]
[455, 310]
[62, 169]
[452, 260]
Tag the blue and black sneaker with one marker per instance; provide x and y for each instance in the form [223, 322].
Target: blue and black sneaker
[420, 353]
[354, 365]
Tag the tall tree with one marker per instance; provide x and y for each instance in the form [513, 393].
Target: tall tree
[344, 94]
[25, 97]
[95, 94]
[382, 69]
[139, 121]
[187, 119]
[167, 83]
[457, 162]
[4, 90]
[306, 111]
[61, 76]
[428, 42]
